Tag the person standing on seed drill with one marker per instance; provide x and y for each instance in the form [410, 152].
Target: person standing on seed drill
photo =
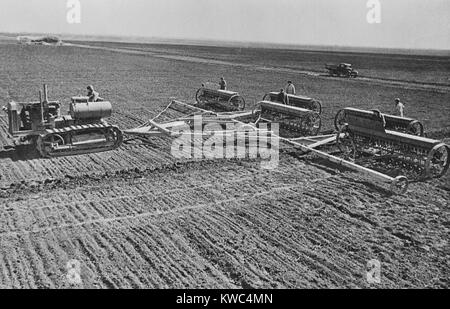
[282, 97]
[93, 95]
[290, 88]
[223, 84]
[399, 108]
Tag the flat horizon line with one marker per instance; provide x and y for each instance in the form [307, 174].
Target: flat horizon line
[243, 44]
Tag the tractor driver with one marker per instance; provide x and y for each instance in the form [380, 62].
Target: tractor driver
[93, 95]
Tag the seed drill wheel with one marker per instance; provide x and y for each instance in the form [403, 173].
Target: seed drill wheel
[340, 120]
[415, 128]
[316, 106]
[438, 161]
[237, 102]
[267, 97]
[312, 123]
[346, 144]
[399, 185]
[200, 96]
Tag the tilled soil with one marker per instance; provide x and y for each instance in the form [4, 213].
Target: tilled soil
[220, 225]
[138, 217]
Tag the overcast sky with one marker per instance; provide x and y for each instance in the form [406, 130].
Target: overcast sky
[404, 23]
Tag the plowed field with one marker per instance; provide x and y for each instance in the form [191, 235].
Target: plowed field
[139, 218]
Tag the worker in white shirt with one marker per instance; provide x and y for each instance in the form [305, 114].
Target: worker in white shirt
[399, 108]
[290, 88]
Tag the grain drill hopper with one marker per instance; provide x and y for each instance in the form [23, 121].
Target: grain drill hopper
[366, 139]
[83, 130]
[293, 121]
[209, 97]
[297, 101]
[395, 123]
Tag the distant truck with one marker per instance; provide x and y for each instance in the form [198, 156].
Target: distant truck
[342, 69]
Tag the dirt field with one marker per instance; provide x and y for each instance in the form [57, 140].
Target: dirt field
[137, 217]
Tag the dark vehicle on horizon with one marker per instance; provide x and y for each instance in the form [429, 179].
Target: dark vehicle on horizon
[342, 69]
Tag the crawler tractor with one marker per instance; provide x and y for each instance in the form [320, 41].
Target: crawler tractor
[83, 130]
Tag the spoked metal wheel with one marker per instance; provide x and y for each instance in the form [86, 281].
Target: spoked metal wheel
[340, 120]
[313, 123]
[346, 144]
[237, 102]
[267, 97]
[438, 161]
[415, 128]
[200, 96]
[399, 185]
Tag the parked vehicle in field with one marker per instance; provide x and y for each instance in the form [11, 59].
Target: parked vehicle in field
[342, 69]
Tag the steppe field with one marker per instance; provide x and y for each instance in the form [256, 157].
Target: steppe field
[137, 217]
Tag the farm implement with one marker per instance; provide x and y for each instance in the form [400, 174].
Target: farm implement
[293, 121]
[364, 137]
[210, 97]
[384, 147]
[300, 127]
[369, 142]
[196, 122]
[300, 117]
[395, 123]
[83, 130]
[297, 101]
[261, 121]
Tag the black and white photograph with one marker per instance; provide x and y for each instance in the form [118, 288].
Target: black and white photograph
[234, 146]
